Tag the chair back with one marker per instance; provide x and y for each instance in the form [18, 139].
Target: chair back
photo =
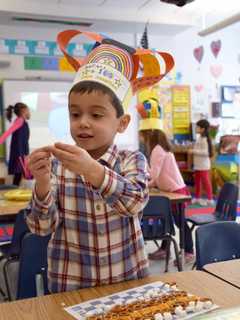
[157, 218]
[32, 265]
[226, 208]
[218, 241]
[19, 230]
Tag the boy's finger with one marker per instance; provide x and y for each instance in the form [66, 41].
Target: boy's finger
[38, 156]
[66, 147]
[62, 155]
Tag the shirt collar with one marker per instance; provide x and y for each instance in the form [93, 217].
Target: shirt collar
[109, 158]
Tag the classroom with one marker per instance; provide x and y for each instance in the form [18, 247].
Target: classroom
[119, 159]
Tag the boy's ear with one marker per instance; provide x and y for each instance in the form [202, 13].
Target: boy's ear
[123, 124]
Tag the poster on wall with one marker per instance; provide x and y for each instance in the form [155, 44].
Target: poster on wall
[230, 102]
[181, 111]
[165, 99]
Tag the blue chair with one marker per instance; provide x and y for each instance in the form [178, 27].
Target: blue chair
[226, 208]
[19, 230]
[218, 241]
[10, 253]
[158, 224]
[32, 266]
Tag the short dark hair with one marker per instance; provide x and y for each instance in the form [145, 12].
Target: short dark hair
[90, 86]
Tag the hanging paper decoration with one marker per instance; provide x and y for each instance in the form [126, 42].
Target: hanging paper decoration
[198, 87]
[178, 77]
[198, 53]
[216, 70]
[216, 47]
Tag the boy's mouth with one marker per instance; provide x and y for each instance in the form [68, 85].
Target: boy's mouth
[84, 136]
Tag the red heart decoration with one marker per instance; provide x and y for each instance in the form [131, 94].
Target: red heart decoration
[198, 53]
[198, 87]
[216, 47]
[216, 70]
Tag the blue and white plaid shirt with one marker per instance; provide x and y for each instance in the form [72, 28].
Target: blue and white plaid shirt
[96, 233]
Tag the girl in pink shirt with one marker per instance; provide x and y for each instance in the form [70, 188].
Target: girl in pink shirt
[165, 175]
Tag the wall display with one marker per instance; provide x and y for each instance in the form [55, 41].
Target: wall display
[216, 70]
[198, 53]
[216, 47]
[181, 106]
[42, 48]
[165, 99]
[216, 109]
[230, 101]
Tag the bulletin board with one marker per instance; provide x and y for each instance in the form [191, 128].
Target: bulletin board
[181, 109]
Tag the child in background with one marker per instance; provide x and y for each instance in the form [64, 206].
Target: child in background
[202, 153]
[19, 146]
[165, 175]
[93, 202]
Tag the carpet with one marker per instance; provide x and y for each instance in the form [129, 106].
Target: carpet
[197, 209]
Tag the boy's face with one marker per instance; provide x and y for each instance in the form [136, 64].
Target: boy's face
[94, 122]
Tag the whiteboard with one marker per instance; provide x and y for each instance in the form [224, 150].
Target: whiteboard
[48, 102]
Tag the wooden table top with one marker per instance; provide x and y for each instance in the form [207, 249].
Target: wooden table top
[173, 196]
[51, 307]
[10, 208]
[228, 271]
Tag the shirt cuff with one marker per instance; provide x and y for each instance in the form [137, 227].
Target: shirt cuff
[111, 183]
[42, 205]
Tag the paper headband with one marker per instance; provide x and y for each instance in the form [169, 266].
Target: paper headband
[116, 65]
[151, 114]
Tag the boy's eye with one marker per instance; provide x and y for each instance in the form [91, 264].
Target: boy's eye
[97, 115]
[74, 115]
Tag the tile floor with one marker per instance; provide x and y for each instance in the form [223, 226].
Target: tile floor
[158, 266]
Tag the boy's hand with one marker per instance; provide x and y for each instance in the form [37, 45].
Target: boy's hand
[80, 162]
[39, 164]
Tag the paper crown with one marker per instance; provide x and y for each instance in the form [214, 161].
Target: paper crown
[149, 109]
[116, 65]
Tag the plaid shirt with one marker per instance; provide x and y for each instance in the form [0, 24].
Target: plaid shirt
[96, 233]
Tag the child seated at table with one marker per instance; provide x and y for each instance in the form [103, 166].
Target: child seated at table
[91, 196]
[165, 175]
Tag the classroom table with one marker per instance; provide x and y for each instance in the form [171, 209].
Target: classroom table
[228, 271]
[9, 209]
[51, 307]
[178, 200]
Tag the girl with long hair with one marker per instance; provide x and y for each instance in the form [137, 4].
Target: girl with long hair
[19, 146]
[165, 175]
[202, 154]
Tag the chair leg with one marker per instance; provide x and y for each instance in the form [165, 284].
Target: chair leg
[176, 250]
[156, 243]
[194, 265]
[192, 227]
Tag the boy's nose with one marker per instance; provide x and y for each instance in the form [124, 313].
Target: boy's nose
[84, 122]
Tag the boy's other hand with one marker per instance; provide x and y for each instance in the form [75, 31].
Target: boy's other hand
[73, 158]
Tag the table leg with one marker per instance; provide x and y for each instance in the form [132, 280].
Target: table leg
[182, 233]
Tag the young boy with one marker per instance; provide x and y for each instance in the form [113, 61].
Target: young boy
[91, 196]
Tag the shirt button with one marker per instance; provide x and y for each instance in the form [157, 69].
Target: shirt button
[101, 229]
[98, 207]
[103, 260]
